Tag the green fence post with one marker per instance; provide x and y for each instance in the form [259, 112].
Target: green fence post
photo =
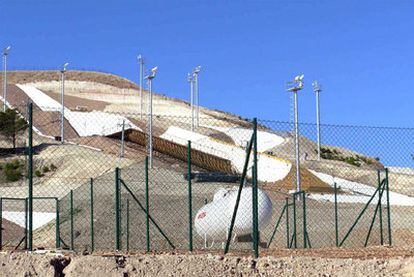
[127, 224]
[72, 238]
[236, 206]
[147, 205]
[294, 221]
[190, 199]
[117, 216]
[1, 223]
[57, 223]
[305, 232]
[91, 212]
[254, 196]
[336, 215]
[25, 222]
[388, 207]
[287, 223]
[30, 175]
[380, 211]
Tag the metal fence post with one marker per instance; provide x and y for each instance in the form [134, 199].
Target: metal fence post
[127, 224]
[388, 207]
[380, 211]
[117, 213]
[91, 212]
[190, 200]
[336, 215]
[57, 223]
[1, 223]
[30, 176]
[72, 238]
[25, 222]
[287, 223]
[294, 221]
[305, 232]
[255, 200]
[147, 205]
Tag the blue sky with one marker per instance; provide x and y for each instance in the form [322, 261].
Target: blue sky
[361, 51]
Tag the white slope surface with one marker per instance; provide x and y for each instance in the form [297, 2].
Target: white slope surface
[39, 218]
[240, 136]
[357, 192]
[270, 169]
[84, 123]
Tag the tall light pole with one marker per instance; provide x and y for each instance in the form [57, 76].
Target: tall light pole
[197, 98]
[294, 87]
[141, 80]
[150, 77]
[62, 108]
[190, 79]
[5, 53]
[317, 88]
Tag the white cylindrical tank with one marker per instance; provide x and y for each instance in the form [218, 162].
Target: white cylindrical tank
[213, 220]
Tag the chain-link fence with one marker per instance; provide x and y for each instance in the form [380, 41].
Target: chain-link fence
[100, 189]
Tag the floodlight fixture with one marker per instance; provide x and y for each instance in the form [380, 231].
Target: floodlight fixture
[316, 86]
[6, 50]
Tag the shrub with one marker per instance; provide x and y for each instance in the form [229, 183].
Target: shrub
[37, 173]
[45, 169]
[53, 167]
[13, 170]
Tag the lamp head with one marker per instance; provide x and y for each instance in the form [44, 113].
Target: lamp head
[6, 50]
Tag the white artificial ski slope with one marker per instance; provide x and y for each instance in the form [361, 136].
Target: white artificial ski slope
[270, 169]
[361, 193]
[39, 218]
[265, 140]
[85, 123]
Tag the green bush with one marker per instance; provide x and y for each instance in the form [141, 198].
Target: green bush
[37, 173]
[45, 169]
[53, 167]
[13, 170]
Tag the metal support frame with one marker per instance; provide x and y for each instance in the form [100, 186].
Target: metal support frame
[190, 199]
[30, 177]
[381, 186]
[117, 211]
[236, 206]
[92, 216]
[255, 209]
[72, 236]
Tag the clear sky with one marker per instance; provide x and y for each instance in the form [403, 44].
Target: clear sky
[362, 52]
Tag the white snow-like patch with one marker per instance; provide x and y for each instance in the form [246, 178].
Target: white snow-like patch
[270, 169]
[39, 218]
[357, 192]
[240, 136]
[84, 123]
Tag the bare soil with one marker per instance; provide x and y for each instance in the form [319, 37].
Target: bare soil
[291, 263]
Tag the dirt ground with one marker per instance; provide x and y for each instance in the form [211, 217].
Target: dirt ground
[380, 262]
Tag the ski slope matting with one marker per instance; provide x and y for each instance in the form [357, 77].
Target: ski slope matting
[84, 123]
[270, 169]
[356, 192]
[240, 136]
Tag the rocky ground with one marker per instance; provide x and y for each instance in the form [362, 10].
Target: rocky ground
[366, 262]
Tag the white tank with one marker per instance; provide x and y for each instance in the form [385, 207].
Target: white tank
[213, 220]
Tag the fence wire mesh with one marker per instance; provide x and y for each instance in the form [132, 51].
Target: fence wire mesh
[79, 203]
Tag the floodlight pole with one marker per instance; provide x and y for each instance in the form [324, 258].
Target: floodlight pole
[190, 79]
[62, 108]
[5, 53]
[317, 89]
[141, 81]
[121, 155]
[298, 181]
[150, 77]
[196, 93]
[294, 87]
